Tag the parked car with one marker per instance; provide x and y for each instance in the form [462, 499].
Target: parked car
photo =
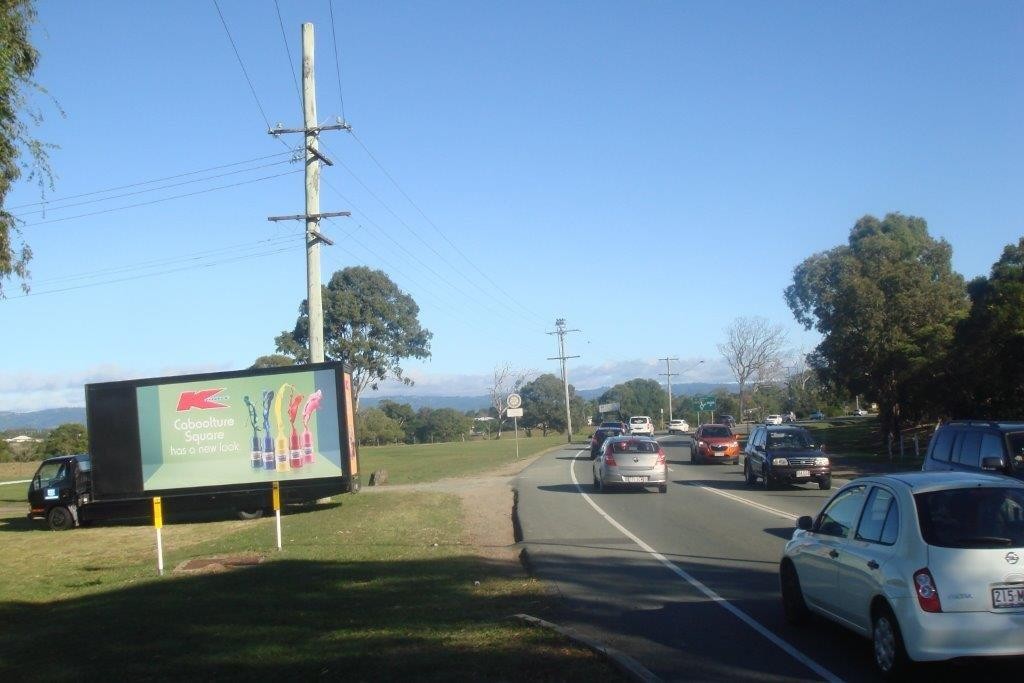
[598, 437]
[773, 420]
[714, 443]
[637, 461]
[785, 455]
[727, 420]
[925, 564]
[642, 425]
[977, 445]
[817, 415]
[678, 426]
[860, 412]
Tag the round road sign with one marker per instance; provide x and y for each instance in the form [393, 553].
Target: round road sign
[514, 400]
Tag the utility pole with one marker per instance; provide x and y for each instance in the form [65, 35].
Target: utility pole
[561, 332]
[311, 131]
[668, 381]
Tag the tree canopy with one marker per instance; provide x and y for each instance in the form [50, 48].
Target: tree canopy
[67, 439]
[637, 397]
[19, 152]
[754, 351]
[989, 343]
[544, 404]
[887, 304]
[369, 323]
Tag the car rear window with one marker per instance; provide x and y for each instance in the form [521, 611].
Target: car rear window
[635, 447]
[986, 517]
[717, 431]
[605, 433]
[638, 420]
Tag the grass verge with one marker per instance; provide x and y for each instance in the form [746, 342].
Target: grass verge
[379, 587]
[412, 464]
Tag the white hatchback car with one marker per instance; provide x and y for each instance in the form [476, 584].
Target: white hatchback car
[929, 565]
[641, 425]
[678, 426]
[773, 420]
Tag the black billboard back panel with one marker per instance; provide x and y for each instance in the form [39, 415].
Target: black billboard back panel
[112, 414]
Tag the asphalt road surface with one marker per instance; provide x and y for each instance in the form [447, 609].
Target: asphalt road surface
[686, 582]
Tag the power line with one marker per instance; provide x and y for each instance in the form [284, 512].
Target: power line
[242, 64]
[288, 52]
[152, 189]
[337, 62]
[162, 272]
[149, 182]
[162, 199]
[439, 231]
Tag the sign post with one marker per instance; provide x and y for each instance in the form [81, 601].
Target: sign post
[515, 411]
[277, 510]
[158, 522]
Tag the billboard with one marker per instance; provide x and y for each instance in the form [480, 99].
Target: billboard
[240, 430]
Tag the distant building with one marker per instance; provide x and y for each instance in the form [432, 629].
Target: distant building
[21, 438]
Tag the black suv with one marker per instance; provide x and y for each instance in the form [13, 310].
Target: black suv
[785, 455]
[977, 445]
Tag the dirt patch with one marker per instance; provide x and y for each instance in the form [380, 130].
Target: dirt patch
[487, 503]
[217, 563]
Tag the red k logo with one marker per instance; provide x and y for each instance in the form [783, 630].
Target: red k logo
[199, 399]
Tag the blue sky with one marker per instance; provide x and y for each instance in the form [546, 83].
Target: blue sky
[648, 171]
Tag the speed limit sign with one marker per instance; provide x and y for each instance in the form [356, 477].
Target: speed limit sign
[514, 400]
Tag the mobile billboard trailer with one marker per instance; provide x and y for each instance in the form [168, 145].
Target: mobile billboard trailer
[205, 441]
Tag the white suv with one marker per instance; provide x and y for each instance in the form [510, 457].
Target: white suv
[678, 426]
[641, 424]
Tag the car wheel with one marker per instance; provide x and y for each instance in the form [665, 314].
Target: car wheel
[255, 513]
[825, 483]
[662, 488]
[59, 518]
[890, 654]
[598, 483]
[767, 481]
[748, 474]
[793, 605]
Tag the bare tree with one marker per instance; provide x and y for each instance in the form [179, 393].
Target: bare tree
[754, 350]
[507, 380]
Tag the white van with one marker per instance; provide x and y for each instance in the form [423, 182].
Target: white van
[641, 424]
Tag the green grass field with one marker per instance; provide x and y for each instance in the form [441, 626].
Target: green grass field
[377, 587]
[410, 464]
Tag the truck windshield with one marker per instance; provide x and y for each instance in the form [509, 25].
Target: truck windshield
[49, 472]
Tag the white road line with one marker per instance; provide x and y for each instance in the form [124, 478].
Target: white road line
[741, 499]
[20, 481]
[712, 595]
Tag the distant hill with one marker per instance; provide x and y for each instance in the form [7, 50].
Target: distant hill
[53, 417]
[40, 419]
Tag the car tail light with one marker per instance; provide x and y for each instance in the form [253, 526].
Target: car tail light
[927, 593]
[661, 456]
[609, 459]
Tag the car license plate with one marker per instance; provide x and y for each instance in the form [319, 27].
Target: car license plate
[803, 473]
[1008, 597]
[634, 479]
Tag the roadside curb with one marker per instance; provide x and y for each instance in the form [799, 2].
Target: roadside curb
[629, 666]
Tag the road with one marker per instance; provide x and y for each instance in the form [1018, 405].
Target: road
[685, 582]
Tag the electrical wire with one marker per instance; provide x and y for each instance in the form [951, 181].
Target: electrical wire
[149, 182]
[162, 272]
[162, 199]
[439, 231]
[242, 64]
[152, 189]
[288, 52]
[337, 62]
[143, 265]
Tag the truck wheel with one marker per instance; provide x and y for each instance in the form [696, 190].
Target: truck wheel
[59, 518]
[255, 513]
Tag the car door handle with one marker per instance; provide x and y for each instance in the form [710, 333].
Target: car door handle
[833, 554]
[872, 564]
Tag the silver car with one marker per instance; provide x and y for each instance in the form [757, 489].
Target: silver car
[928, 565]
[635, 461]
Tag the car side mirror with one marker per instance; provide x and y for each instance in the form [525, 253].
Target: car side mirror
[804, 523]
[992, 463]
